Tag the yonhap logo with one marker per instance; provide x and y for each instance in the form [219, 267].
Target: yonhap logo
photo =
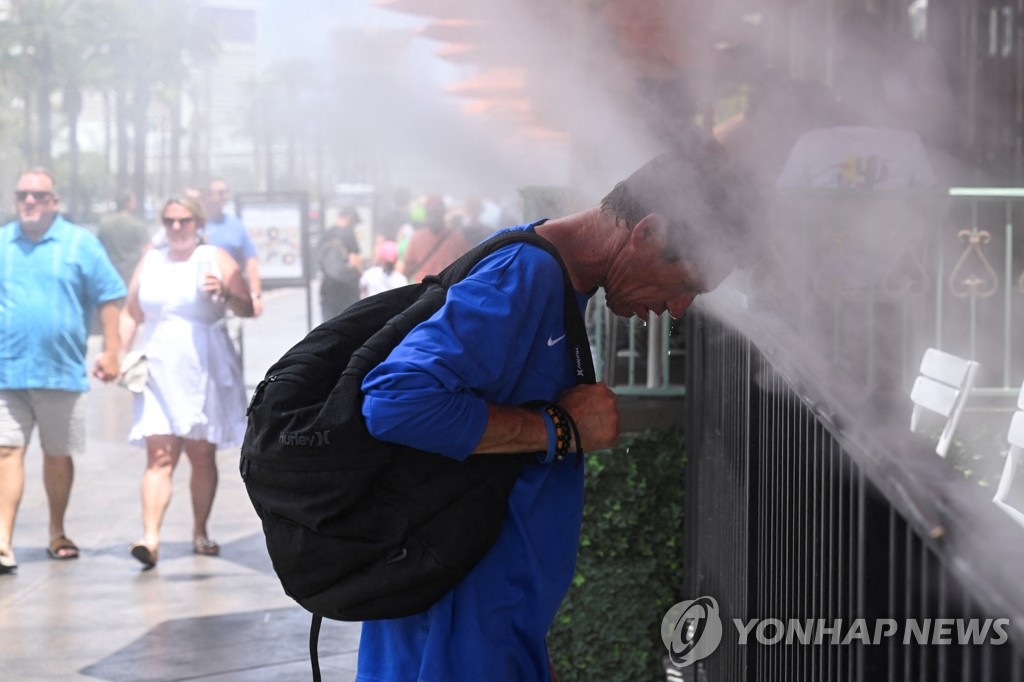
[309, 439]
[691, 630]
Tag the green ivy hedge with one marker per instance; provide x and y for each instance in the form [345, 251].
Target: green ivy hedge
[629, 569]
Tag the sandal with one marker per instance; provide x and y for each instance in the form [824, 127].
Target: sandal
[206, 547]
[7, 562]
[62, 549]
[146, 554]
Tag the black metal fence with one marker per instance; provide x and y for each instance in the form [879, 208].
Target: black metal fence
[808, 513]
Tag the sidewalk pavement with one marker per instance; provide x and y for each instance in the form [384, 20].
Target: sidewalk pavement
[100, 617]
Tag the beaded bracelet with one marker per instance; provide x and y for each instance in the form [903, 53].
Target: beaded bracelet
[549, 424]
[561, 432]
[561, 421]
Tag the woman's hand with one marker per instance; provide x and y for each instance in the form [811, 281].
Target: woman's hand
[214, 288]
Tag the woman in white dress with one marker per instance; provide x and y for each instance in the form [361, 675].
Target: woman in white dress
[194, 397]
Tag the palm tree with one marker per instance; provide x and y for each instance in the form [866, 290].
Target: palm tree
[15, 83]
[281, 100]
[257, 125]
[20, 32]
[83, 62]
[55, 45]
[187, 43]
[172, 38]
[139, 50]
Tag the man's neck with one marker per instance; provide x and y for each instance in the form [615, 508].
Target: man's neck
[587, 243]
[35, 230]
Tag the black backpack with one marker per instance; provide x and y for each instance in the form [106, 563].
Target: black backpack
[358, 528]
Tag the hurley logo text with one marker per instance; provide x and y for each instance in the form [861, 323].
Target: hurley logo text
[310, 439]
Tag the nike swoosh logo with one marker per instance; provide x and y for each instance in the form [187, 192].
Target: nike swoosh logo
[552, 341]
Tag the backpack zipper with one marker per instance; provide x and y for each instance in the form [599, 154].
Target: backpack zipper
[259, 391]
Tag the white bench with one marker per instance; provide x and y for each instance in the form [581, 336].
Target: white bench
[942, 387]
[1016, 439]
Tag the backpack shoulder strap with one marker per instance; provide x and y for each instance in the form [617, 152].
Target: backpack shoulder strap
[462, 266]
[380, 345]
[575, 327]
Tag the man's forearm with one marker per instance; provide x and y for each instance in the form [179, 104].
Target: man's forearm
[592, 407]
[108, 365]
[110, 322]
[512, 429]
[252, 276]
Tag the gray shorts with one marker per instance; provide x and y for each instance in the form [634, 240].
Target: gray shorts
[59, 414]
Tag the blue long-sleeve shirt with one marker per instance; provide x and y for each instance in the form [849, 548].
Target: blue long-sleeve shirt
[500, 337]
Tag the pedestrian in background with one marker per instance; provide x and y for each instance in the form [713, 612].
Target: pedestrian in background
[435, 245]
[229, 233]
[382, 276]
[340, 264]
[194, 397]
[124, 236]
[53, 276]
[474, 230]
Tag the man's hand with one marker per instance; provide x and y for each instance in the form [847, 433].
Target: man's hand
[108, 366]
[595, 409]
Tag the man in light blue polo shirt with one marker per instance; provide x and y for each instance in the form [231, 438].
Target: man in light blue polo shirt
[229, 233]
[53, 277]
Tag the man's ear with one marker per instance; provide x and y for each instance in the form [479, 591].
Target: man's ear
[653, 226]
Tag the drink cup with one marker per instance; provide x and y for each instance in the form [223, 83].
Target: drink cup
[203, 268]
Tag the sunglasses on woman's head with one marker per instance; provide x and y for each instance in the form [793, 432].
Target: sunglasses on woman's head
[169, 222]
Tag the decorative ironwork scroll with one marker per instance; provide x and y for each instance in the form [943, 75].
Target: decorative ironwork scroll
[973, 275]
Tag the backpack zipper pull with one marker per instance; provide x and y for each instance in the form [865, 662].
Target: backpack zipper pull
[258, 392]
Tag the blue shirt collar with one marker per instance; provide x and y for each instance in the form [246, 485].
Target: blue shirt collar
[56, 230]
